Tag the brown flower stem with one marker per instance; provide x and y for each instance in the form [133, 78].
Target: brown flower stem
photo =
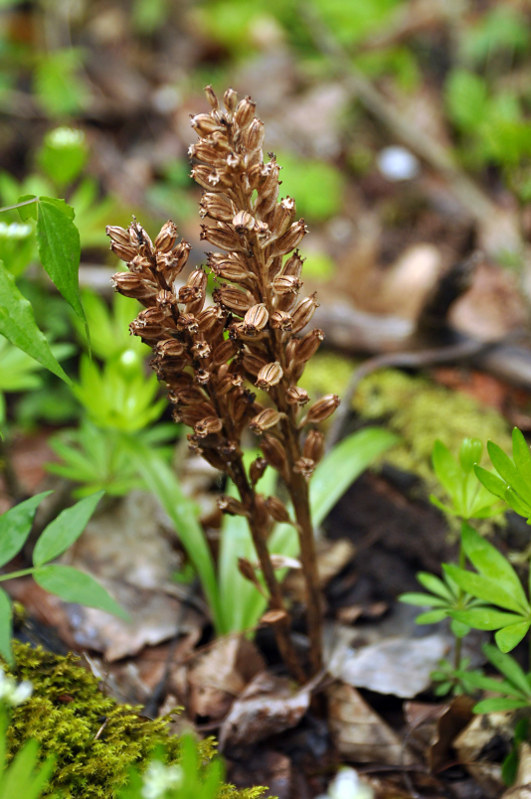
[299, 493]
[259, 531]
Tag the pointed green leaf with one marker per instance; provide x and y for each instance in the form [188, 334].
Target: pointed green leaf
[498, 704]
[6, 626]
[447, 469]
[15, 526]
[518, 503]
[508, 666]
[435, 585]
[470, 453]
[509, 637]
[491, 482]
[18, 325]
[485, 618]
[522, 457]
[59, 248]
[423, 600]
[73, 585]
[346, 461]
[483, 588]
[491, 563]
[64, 530]
[507, 469]
[27, 210]
[432, 617]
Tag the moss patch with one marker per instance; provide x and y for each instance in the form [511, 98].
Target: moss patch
[94, 739]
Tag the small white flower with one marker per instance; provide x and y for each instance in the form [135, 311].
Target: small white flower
[347, 785]
[160, 778]
[65, 137]
[397, 163]
[11, 693]
[15, 230]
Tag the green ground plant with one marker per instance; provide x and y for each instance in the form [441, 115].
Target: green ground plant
[71, 584]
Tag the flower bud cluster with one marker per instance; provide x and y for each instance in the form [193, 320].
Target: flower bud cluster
[214, 358]
[258, 268]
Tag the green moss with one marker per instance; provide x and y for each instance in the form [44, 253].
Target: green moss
[95, 740]
[416, 409]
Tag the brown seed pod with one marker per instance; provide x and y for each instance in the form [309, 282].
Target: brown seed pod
[269, 375]
[314, 446]
[208, 426]
[264, 420]
[304, 466]
[135, 286]
[304, 312]
[295, 395]
[167, 237]
[256, 317]
[321, 409]
[277, 510]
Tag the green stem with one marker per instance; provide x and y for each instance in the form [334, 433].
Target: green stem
[459, 641]
[20, 573]
[19, 205]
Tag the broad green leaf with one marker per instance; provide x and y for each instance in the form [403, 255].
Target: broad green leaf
[485, 618]
[483, 588]
[498, 704]
[64, 530]
[509, 637]
[59, 248]
[18, 325]
[6, 626]
[346, 461]
[73, 585]
[522, 457]
[27, 210]
[508, 666]
[434, 584]
[15, 526]
[491, 563]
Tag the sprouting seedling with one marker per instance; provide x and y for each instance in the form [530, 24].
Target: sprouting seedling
[214, 358]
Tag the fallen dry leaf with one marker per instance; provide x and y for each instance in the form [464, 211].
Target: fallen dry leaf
[359, 733]
[155, 617]
[483, 745]
[219, 675]
[266, 707]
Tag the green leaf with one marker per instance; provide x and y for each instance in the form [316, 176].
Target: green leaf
[491, 482]
[423, 600]
[448, 470]
[432, 616]
[64, 530]
[508, 666]
[6, 627]
[485, 618]
[491, 563]
[161, 481]
[28, 210]
[498, 704]
[59, 248]
[483, 588]
[73, 585]
[470, 453]
[435, 585]
[17, 324]
[346, 461]
[522, 457]
[15, 526]
[509, 637]
[25, 777]
[506, 469]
